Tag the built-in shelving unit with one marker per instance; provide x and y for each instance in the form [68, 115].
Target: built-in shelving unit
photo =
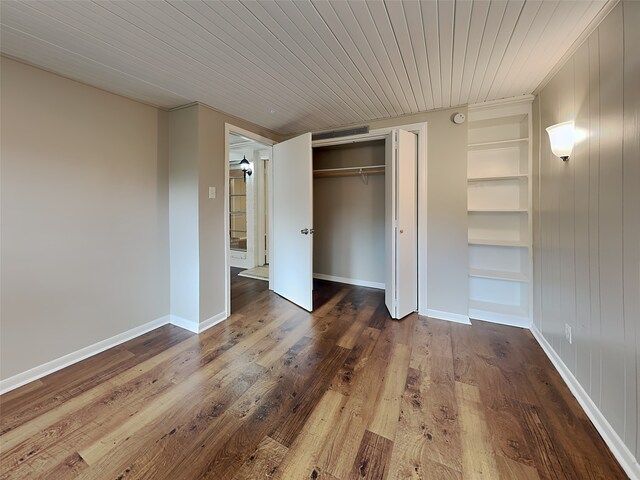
[499, 206]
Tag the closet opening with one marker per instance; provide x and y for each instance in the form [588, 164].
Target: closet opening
[348, 210]
[247, 195]
[349, 213]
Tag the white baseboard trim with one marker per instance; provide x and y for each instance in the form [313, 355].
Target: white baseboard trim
[210, 322]
[349, 281]
[40, 371]
[184, 323]
[45, 369]
[502, 319]
[196, 327]
[622, 453]
[451, 317]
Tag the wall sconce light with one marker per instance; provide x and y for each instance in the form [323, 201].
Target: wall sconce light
[245, 166]
[561, 137]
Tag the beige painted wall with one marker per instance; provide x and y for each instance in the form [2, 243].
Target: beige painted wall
[85, 250]
[197, 222]
[447, 237]
[587, 219]
[212, 162]
[348, 215]
[183, 213]
[75, 142]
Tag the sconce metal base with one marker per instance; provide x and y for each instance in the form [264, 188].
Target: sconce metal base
[565, 158]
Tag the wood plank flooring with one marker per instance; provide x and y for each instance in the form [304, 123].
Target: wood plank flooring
[277, 393]
[244, 290]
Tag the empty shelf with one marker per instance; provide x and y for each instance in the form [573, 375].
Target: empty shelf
[498, 243]
[498, 210]
[500, 313]
[502, 177]
[498, 143]
[498, 275]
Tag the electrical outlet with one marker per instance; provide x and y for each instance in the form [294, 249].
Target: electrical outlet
[567, 332]
[212, 192]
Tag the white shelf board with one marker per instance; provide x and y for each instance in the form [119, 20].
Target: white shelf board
[498, 143]
[498, 243]
[499, 308]
[492, 179]
[498, 210]
[499, 313]
[498, 275]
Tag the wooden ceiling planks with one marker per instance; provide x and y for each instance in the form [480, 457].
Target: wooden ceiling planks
[300, 66]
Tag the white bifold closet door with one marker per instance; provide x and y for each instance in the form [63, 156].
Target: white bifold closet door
[401, 225]
[291, 255]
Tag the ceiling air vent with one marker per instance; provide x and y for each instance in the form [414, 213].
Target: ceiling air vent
[340, 133]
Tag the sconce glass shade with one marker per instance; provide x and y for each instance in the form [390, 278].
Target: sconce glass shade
[561, 137]
[245, 166]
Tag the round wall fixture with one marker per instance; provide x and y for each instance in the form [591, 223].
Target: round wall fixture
[458, 118]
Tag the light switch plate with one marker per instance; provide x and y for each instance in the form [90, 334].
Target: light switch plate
[212, 192]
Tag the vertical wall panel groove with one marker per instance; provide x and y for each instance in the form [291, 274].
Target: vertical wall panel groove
[611, 102]
[631, 216]
[582, 332]
[588, 214]
[594, 216]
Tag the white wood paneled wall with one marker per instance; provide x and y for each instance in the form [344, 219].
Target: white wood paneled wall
[587, 214]
[306, 65]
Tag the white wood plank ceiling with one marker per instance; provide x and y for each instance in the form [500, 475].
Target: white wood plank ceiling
[304, 65]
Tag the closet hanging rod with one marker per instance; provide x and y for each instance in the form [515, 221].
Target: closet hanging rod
[351, 169]
[353, 173]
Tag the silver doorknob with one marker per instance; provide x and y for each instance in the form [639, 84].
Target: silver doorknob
[305, 231]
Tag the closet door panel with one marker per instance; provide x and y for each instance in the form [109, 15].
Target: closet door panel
[390, 224]
[401, 224]
[407, 225]
[291, 255]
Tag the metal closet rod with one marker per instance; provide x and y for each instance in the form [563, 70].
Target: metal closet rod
[363, 172]
[351, 169]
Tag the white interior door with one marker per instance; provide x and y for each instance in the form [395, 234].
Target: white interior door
[401, 224]
[291, 249]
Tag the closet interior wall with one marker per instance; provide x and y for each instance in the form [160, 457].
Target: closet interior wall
[348, 215]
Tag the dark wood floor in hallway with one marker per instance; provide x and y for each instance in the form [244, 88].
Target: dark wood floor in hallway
[277, 393]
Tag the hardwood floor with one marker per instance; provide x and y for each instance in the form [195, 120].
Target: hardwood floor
[244, 290]
[275, 392]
